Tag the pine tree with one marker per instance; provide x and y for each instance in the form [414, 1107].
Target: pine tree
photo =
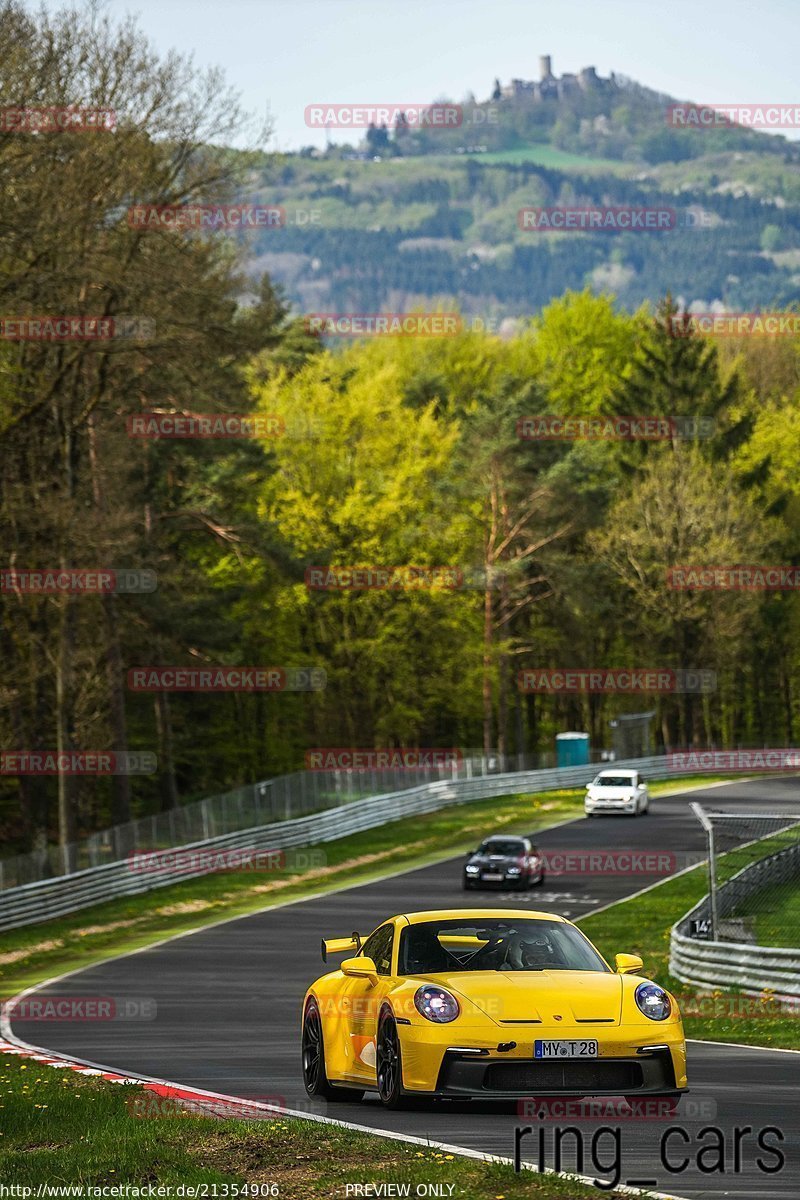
[677, 373]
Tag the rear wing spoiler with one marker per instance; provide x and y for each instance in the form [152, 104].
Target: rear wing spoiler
[340, 945]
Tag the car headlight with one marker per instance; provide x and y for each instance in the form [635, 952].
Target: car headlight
[653, 1001]
[472, 870]
[435, 1004]
[513, 870]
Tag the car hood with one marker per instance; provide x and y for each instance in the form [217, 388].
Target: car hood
[509, 996]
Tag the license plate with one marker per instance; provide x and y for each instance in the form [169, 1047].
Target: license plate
[565, 1048]
[493, 878]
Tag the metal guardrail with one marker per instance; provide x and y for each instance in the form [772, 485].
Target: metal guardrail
[40, 901]
[748, 967]
[753, 969]
[277, 799]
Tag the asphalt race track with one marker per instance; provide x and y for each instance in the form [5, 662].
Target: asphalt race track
[228, 1014]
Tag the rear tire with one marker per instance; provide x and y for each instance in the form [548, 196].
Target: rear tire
[389, 1063]
[313, 1056]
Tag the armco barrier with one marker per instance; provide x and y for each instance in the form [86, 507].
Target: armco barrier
[281, 798]
[747, 967]
[40, 901]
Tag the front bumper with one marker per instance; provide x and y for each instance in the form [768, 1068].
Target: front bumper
[610, 806]
[468, 1075]
[504, 882]
[436, 1060]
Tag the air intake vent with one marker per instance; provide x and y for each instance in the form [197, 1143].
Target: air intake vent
[537, 1076]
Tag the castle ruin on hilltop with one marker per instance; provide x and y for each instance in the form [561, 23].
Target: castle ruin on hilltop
[551, 87]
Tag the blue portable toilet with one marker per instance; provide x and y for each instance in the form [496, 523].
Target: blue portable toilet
[572, 749]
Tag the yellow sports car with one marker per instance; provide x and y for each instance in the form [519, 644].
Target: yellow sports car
[487, 1002]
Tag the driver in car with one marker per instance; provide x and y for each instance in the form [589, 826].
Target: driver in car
[534, 952]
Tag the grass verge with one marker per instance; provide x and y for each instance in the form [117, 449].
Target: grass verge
[89, 1135]
[777, 921]
[641, 925]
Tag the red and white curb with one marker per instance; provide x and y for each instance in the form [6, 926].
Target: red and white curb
[202, 1102]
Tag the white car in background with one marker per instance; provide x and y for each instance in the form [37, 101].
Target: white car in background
[617, 791]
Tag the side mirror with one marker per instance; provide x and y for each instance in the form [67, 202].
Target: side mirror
[626, 964]
[360, 968]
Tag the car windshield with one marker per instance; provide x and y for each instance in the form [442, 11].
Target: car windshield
[614, 781]
[498, 846]
[495, 944]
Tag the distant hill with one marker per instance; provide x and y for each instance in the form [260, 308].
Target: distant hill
[581, 114]
[425, 217]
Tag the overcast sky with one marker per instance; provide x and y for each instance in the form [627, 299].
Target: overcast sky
[282, 55]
